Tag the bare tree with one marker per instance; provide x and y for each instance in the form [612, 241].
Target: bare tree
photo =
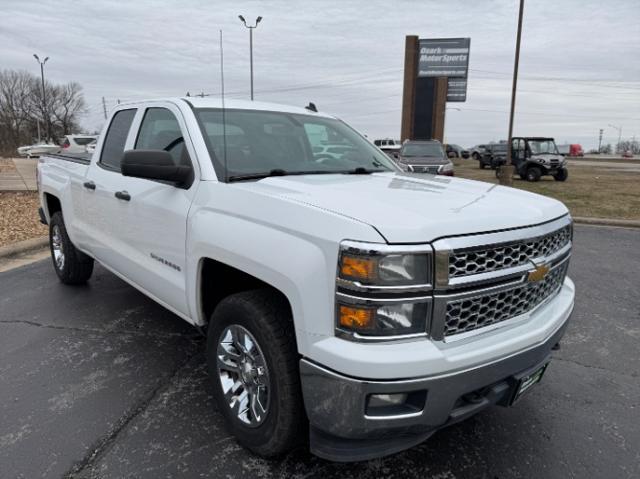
[67, 105]
[16, 106]
[22, 110]
[628, 145]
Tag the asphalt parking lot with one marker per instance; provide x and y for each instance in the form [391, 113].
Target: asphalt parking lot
[99, 381]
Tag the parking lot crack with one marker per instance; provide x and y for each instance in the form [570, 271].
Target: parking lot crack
[151, 334]
[598, 368]
[104, 443]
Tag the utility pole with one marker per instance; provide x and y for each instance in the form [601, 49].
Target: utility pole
[600, 140]
[104, 108]
[506, 170]
[251, 28]
[44, 96]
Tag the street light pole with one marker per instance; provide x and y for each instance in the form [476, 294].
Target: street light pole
[251, 28]
[619, 128]
[44, 95]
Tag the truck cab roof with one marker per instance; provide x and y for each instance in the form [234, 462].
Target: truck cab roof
[216, 102]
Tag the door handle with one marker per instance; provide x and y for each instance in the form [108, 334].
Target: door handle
[90, 185]
[123, 195]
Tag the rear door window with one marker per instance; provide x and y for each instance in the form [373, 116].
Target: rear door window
[114, 141]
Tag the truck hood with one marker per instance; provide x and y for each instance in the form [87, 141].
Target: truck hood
[411, 208]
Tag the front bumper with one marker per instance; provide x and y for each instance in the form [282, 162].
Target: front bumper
[342, 431]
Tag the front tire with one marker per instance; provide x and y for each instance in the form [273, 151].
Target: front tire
[253, 363]
[561, 175]
[533, 173]
[71, 265]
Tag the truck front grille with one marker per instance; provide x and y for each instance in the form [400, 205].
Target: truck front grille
[433, 170]
[469, 313]
[484, 259]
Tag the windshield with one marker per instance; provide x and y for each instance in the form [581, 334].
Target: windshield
[260, 142]
[422, 149]
[543, 146]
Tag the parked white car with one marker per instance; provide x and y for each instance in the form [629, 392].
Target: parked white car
[76, 143]
[378, 306]
[34, 151]
[91, 147]
[388, 144]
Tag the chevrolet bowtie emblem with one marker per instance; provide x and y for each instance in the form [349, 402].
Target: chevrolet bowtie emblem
[538, 274]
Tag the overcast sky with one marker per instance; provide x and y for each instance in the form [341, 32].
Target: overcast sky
[579, 64]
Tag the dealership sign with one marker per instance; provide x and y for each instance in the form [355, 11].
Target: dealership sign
[444, 57]
[456, 89]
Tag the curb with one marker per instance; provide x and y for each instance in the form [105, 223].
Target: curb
[23, 246]
[606, 222]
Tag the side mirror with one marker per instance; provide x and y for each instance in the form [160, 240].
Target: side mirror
[451, 154]
[155, 165]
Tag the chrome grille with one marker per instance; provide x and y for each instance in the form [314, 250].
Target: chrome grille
[466, 314]
[485, 259]
[433, 170]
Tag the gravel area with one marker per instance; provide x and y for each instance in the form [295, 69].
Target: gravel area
[7, 166]
[19, 217]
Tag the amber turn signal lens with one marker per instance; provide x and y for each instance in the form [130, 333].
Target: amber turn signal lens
[360, 268]
[356, 318]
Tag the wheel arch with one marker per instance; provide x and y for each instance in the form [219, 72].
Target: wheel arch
[235, 281]
[51, 205]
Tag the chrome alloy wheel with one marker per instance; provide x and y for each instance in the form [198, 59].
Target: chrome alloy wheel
[244, 376]
[57, 248]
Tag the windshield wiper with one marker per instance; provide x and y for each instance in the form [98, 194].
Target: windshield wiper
[258, 176]
[361, 170]
[280, 172]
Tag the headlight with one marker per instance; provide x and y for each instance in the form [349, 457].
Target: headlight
[446, 169]
[384, 269]
[383, 290]
[385, 319]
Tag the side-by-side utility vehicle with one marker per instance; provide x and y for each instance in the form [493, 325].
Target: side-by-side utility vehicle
[534, 157]
[344, 300]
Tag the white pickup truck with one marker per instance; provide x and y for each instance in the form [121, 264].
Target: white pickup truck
[344, 300]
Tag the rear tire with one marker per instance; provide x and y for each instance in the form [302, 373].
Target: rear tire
[561, 175]
[265, 315]
[71, 265]
[533, 173]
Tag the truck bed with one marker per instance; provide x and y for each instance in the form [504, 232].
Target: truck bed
[84, 158]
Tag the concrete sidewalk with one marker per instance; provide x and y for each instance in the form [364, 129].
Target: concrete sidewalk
[23, 178]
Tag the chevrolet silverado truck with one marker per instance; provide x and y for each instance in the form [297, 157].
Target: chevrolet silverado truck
[345, 302]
